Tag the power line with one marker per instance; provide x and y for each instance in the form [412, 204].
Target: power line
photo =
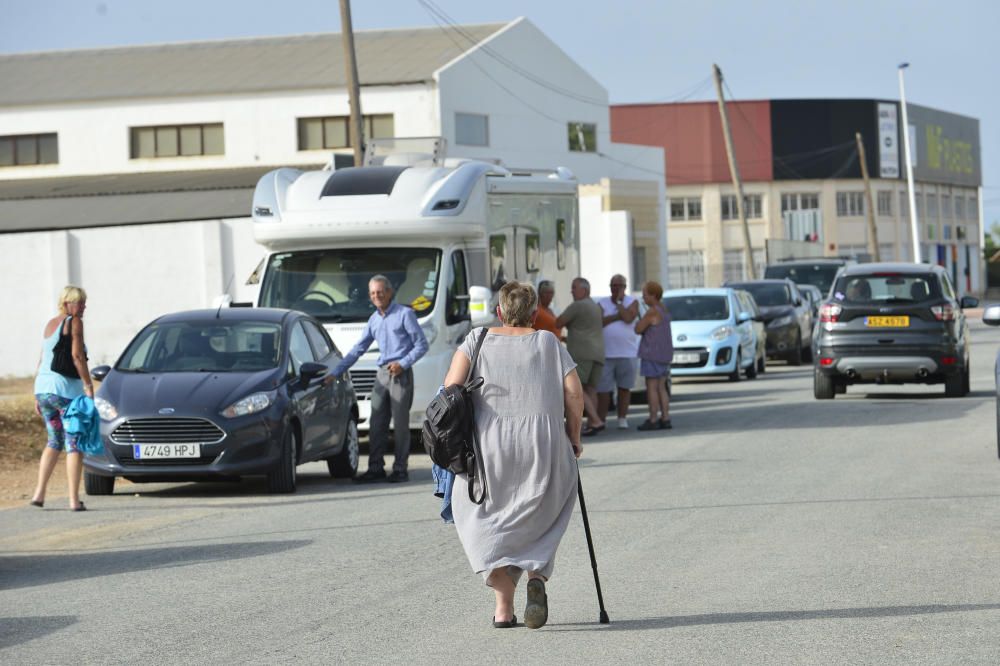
[438, 13]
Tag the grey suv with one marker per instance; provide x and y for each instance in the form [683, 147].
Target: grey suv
[892, 324]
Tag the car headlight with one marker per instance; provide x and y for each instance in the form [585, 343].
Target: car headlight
[781, 321]
[722, 332]
[251, 404]
[105, 409]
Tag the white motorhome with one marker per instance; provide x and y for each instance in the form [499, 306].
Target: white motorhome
[447, 235]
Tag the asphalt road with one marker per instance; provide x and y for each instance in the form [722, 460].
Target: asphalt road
[765, 528]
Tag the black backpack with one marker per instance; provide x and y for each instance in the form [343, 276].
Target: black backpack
[449, 432]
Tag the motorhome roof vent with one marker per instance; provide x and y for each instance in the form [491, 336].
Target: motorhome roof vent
[362, 180]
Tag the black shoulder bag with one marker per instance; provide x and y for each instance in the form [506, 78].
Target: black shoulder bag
[449, 430]
[62, 353]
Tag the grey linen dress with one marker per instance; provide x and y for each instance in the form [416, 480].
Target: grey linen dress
[530, 468]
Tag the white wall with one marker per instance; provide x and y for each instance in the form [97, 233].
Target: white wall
[605, 245]
[528, 121]
[259, 130]
[132, 275]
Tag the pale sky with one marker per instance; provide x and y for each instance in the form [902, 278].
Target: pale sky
[640, 50]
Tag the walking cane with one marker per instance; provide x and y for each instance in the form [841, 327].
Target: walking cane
[590, 546]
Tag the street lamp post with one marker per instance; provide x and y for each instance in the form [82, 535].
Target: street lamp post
[914, 232]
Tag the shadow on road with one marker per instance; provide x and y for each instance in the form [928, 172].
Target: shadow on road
[16, 630]
[671, 622]
[842, 412]
[845, 500]
[311, 488]
[588, 465]
[19, 571]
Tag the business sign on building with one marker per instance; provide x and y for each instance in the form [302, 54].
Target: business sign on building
[888, 141]
[946, 146]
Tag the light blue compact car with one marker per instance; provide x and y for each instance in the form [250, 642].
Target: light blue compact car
[712, 334]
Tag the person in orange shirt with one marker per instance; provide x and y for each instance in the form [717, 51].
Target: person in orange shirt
[545, 319]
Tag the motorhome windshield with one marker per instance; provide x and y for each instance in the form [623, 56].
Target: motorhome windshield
[332, 285]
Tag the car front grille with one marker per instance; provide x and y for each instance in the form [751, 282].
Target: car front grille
[168, 430]
[363, 381]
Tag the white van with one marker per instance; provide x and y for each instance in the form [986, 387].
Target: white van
[434, 230]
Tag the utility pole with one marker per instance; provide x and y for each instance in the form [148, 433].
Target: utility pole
[872, 229]
[357, 129]
[914, 229]
[735, 171]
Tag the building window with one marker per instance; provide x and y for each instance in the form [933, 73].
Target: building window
[472, 129]
[885, 203]
[694, 209]
[177, 141]
[947, 232]
[932, 207]
[677, 210]
[945, 206]
[26, 149]
[686, 269]
[329, 132]
[733, 264]
[582, 137]
[752, 204]
[799, 201]
[682, 209]
[973, 209]
[904, 205]
[959, 207]
[850, 204]
[639, 264]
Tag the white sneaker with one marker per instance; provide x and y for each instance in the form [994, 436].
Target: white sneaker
[622, 424]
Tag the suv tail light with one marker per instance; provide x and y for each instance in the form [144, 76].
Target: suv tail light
[943, 312]
[829, 312]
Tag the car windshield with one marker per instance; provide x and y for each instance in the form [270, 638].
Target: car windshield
[332, 285]
[818, 275]
[769, 294]
[204, 346]
[886, 288]
[697, 308]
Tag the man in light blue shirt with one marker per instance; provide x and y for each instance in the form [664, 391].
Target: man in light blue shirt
[401, 343]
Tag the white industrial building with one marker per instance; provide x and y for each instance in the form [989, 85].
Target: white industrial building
[130, 170]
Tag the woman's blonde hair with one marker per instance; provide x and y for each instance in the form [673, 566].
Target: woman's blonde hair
[71, 294]
[654, 289]
[517, 303]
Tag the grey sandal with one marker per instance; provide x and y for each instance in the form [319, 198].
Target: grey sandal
[536, 612]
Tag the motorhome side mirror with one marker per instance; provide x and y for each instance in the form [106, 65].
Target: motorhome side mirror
[991, 316]
[968, 302]
[742, 317]
[479, 306]
[309, 371]
[100, 372]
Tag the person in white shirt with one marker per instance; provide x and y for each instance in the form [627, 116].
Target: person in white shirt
[621, 349]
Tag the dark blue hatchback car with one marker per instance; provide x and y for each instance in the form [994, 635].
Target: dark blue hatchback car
[224, 393]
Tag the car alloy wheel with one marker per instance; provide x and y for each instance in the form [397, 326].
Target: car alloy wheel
[344, 465]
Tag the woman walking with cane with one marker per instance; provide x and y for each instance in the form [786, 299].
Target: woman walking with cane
[527, 416]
